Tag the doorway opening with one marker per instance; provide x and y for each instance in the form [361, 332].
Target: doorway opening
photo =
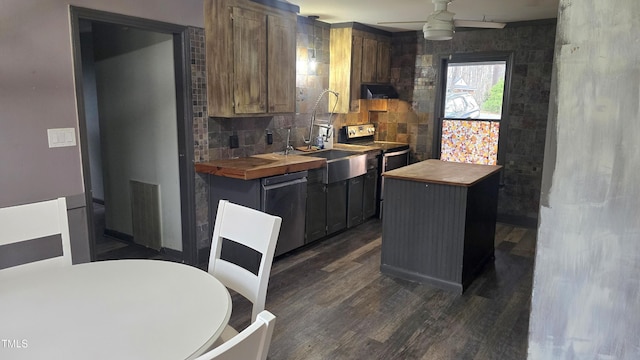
[135, 128]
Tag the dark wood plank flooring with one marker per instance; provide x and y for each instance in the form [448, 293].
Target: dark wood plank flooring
[332, 302]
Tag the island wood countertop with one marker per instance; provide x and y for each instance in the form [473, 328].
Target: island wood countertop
[259, 166]
[358, 148]
[443, 172]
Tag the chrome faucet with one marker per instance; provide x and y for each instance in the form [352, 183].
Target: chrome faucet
[309, 141]
[288, 147]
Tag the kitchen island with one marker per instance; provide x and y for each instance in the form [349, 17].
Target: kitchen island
[439, 222]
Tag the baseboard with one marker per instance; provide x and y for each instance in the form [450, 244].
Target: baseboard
[405, 274]
[118, 235]
[176, 254]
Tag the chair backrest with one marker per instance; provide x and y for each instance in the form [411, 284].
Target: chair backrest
[251, 343]
[254, 229]
[34, 236]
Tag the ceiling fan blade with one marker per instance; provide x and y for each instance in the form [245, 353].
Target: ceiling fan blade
[479, 24]
[400, 22]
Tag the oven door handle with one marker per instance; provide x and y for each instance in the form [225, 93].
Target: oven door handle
[386, 156]
[401, 152]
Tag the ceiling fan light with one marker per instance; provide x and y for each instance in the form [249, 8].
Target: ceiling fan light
[439, 25]
[438, 31]
[438, 34]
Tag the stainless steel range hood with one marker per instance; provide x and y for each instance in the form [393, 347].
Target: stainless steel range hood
[378, 91]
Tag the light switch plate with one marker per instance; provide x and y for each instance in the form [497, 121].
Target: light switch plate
[61, 137]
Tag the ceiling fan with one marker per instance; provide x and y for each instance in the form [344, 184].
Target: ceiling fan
[440, 25]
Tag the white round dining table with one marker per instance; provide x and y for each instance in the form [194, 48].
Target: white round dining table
[116, 310]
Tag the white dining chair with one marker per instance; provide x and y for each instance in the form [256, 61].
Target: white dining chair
[34, 237]
[256, 230]
[251, 344]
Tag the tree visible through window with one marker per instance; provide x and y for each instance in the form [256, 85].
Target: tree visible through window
[472, 110]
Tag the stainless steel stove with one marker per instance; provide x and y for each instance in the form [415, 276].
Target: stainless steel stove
[394, 154]
[365, 135]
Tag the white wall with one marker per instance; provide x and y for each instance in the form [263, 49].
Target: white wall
[586, 290]
[37, 90]
[137, 106]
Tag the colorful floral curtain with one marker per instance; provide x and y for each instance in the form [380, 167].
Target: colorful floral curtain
[466, 141]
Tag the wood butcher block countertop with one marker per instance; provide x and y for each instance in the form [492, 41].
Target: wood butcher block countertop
[346, 147]
[259, 166]
[358, 148]
[443, 172]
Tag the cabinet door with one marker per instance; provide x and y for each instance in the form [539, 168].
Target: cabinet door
[354, 204]
[281, 62]
[316, 219]
[369, 59]
[336, 206]
[383, 66]
[249, 61]
[370, 194]
[356, 72]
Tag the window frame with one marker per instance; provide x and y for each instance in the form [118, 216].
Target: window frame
[443, 63]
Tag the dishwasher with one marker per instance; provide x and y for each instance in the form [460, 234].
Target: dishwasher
[286, 196]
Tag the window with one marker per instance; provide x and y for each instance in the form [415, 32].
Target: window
[470, 108]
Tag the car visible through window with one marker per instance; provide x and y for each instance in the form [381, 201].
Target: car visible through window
[461, 106]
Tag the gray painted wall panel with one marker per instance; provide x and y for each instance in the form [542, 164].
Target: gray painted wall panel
[586, 291]
[38, 91]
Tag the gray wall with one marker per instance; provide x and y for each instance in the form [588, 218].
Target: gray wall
[37, 90]
[586, 290]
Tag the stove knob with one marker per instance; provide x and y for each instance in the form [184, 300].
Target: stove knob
[370, 130]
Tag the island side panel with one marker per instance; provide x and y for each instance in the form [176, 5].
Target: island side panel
[423, 232]
[482, 208]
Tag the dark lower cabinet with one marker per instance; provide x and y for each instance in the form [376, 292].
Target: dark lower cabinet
[340, 205]
[336, 206]
[354, 203]
[369, 194]
[316, 214]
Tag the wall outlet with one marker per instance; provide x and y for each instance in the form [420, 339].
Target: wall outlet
[233, 141]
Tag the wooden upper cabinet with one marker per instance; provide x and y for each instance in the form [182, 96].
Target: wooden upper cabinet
[357, 57]
[281, 41]
[250, 52]
[249, 61]
[369, 60]
[383, 64]
[356, 71]
[376, 61]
